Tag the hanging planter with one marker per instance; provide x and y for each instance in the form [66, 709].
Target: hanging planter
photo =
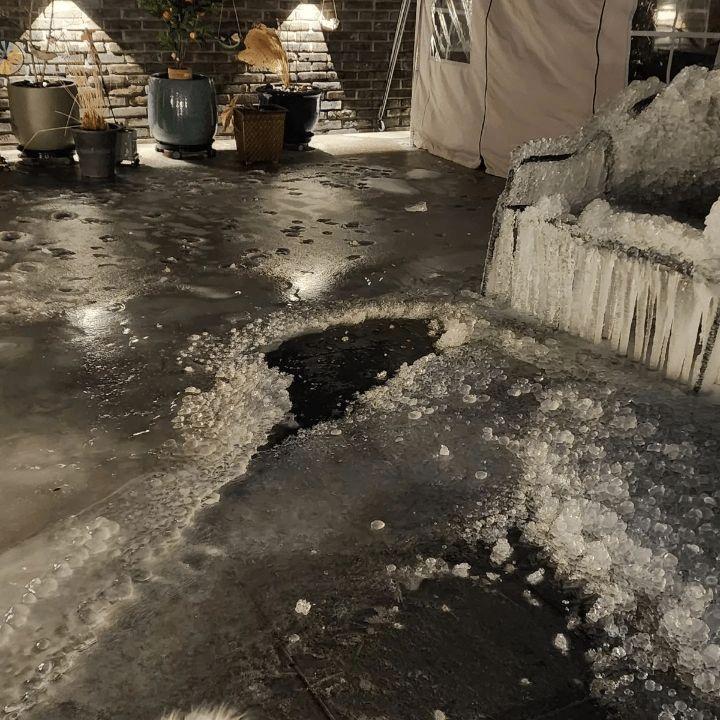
[329, 22]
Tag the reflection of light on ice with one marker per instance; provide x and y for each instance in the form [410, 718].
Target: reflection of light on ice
[94, 320]
[308, 286]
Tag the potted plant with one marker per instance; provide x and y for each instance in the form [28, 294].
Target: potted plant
[259, 130]
[182, 109]
[95, 138]
[264, 50]
[41, 105]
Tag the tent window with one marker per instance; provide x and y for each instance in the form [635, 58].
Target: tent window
[451, 30]
[668, 35]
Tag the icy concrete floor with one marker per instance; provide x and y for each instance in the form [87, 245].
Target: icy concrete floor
[100, 285]
[127, 597]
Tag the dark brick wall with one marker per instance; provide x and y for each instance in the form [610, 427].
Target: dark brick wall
[349, 64]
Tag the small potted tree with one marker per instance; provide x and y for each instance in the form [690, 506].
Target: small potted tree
[182, 109]
[264, 50]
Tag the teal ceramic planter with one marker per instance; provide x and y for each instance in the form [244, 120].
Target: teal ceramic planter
[182, 113]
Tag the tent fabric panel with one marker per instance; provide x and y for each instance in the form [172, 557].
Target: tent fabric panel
[448, 97]
[541, 73]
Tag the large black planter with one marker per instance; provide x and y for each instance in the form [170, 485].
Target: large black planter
[182, 113]
[303, 110]
[96, 151]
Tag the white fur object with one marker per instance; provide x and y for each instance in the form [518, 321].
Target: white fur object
[218, 713]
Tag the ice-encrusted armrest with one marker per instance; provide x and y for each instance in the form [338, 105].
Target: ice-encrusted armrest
[576, 168]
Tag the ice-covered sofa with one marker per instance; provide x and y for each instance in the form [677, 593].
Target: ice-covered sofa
[613, 235]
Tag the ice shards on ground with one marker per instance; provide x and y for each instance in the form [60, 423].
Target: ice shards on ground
[617, 494]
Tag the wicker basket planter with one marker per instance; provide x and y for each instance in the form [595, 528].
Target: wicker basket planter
[259, 132]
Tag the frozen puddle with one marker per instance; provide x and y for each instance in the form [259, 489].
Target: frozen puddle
[331, 368]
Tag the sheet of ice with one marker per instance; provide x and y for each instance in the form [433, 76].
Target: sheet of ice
[58, 589]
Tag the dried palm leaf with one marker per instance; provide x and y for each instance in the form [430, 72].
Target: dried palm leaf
[44, 55]
[264, 50]
[228, 114]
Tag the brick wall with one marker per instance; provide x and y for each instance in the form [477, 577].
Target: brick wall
[349, 64]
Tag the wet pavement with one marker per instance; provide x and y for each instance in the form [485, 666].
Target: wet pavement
[100, 285]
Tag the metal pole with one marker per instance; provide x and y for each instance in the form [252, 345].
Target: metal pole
[397, 42]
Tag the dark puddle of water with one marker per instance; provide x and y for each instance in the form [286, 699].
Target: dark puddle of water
[333, 367]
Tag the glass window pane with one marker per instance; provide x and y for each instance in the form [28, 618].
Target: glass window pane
[687, 15]
[684, 25]
[451, 30]
[649, 57]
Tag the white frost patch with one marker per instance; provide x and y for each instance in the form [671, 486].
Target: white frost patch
[417, 207]
[501, 552]
[561, 643]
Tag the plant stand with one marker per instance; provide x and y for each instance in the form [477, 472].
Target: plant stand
[181, 152]
[64, 156]
[298, 147]
[127, 147]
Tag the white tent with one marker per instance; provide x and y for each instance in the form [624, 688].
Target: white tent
[492, 74]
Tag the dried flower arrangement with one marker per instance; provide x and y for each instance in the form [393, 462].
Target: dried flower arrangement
[92, 98]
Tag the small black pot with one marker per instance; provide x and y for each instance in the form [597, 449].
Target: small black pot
[96, 151]
[303, 110]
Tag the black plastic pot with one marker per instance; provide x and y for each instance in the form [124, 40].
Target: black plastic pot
[96, 151]
[303, 110]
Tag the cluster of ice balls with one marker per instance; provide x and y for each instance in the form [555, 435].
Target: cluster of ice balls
[427, 568]
[610, 494]
[595, 508]
[620, 498]
[29, 646]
